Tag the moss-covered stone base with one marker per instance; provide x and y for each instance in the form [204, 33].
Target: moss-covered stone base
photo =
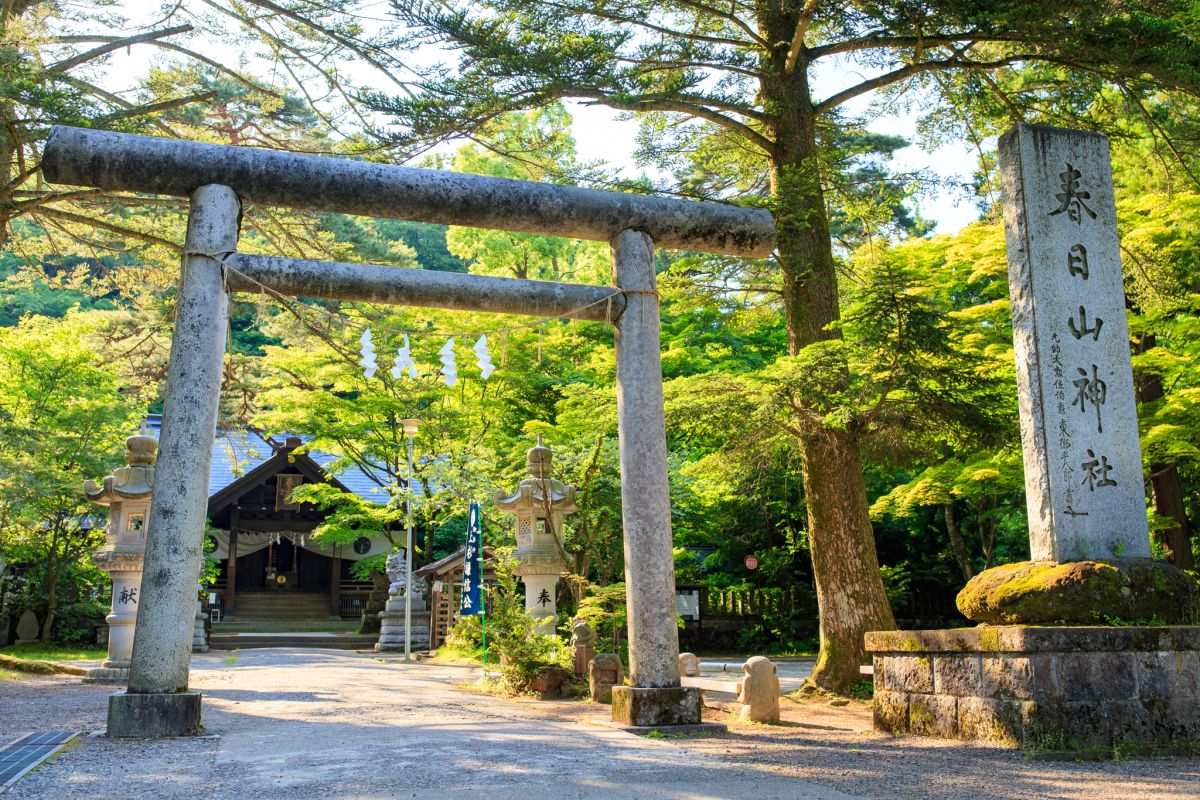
[646, 707]
[1107, 591]
[1047, 689]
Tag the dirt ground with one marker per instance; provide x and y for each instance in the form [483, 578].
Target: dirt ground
[321, 723]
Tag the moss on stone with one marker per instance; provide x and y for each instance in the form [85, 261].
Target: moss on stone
[1109, 591]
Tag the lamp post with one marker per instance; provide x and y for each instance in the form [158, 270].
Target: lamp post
[410, 430]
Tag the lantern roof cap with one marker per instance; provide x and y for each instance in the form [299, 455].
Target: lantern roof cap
[135, 481]
[540, 459]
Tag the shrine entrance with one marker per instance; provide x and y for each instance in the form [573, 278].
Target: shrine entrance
[218, 179]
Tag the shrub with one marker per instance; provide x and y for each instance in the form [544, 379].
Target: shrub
[522, 652]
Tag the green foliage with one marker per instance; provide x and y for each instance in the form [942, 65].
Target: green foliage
[604, 609]
[62, 420]
[512, 638]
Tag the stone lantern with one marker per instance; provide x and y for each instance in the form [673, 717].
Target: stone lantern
[540, 503]
[127, 494]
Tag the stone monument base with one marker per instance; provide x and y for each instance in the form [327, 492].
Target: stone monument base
[391, 626]
[644, 707]
[153, 716]
[1044, 688]
[108, 672]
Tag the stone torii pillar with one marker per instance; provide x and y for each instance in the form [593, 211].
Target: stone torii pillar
[127, 494]
[655, 697]
[157, 701]
[540, 503]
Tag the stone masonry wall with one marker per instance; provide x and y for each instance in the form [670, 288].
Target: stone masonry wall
[1051, 688]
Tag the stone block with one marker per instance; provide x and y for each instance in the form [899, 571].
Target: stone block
[1184, 711]
[890, 711]
[115, 675]
[933, 715]
[1033, 639]
[989, 719]
[958, 675]
[1096, 676]
[27, 627]
[153, 716]
[1165, 675]
[1019, 677]
[653, 707]
[908, 674]
[604, 672]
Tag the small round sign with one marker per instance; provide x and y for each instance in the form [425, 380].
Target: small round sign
[751, 562]
[362, 545]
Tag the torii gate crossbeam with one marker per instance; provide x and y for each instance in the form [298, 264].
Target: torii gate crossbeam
[218, 179]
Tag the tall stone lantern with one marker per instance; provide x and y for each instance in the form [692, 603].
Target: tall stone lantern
[540, 503]
[127, 494]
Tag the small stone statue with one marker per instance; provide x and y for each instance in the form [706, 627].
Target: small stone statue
[759, 694]
[583, 646]
[604, 672]
[689, 665]
[397, 569]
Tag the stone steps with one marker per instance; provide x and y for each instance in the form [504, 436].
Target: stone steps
[243, 625]
[336, 641]
[281, 606]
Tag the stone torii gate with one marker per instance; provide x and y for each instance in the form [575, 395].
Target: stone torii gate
[218, 179]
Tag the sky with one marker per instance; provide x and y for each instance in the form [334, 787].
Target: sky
[601, 135]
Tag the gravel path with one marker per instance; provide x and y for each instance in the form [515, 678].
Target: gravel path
[319, 723]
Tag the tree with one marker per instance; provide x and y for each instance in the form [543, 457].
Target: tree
[62, 420]
[55, 68]
[747, 74]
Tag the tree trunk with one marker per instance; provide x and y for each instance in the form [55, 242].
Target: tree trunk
[1168, 491]
[51, 600]
[956, 542]
[850, 592]
[1168, 502]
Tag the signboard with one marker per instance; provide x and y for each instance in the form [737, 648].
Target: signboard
[751, 562]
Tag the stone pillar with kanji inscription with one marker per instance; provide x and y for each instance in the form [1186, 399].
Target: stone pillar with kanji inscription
[540, 503]
[1079, 433]
[127, 494]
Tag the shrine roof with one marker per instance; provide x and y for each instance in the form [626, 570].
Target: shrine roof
[237, 452]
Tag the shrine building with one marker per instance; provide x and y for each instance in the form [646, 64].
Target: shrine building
[274, 577]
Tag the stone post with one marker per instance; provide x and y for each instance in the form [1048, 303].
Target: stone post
[540, 503]
[157, 702]
[199, 636]
[1079, 432]
[127, 494]
[656, 697]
